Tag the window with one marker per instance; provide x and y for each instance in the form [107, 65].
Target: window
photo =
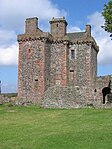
[95, 90]
[72, 54]
[36, 85]
[71, 75]
[29, 50]
[36, 80]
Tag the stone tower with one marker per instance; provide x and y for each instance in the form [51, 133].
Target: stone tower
[54, 59]
[58, 27]
[34, 55]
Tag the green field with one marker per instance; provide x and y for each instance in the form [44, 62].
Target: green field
[37, 128]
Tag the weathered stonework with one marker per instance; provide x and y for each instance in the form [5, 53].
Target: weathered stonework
[58, 69]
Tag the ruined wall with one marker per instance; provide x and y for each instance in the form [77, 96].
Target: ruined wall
[63, 97]
[70, 97]
[103, 81]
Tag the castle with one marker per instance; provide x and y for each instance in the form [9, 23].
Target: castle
[58, 69]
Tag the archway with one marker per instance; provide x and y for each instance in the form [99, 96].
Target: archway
[105, 91]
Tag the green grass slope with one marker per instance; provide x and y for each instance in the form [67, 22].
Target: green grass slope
[37, 128]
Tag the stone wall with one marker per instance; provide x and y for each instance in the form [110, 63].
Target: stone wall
[31, 25]
[69, 97]
[7, 98]
[58, 27]
[31, 69]
[83, 68]
[83, 75]
[48, 69]
[72, 64]
[63, 97]
[47, 64]
[76, 96]
[58, 65]
[93, 64]
[101, 82]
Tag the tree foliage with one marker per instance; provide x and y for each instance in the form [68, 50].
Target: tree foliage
[107, 14]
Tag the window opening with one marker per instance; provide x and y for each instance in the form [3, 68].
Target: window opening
[95, 90]
[71, 70]
[29, 50]
[36, 85]
[71, 75]
[72, 54]
[36, 80]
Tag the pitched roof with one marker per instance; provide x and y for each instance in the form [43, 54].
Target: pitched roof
[76, 36]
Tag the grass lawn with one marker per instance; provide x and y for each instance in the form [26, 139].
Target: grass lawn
[37, 128]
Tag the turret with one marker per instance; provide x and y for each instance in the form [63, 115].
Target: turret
[58, 27]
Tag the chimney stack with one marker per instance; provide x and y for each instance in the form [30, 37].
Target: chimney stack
[88, 30]
[31, 25]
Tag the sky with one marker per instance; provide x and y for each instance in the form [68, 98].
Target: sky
[78, 13]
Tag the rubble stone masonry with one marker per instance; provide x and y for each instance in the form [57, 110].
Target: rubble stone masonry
[58, 65]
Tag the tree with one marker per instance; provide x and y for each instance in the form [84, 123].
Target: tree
[107, 14]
